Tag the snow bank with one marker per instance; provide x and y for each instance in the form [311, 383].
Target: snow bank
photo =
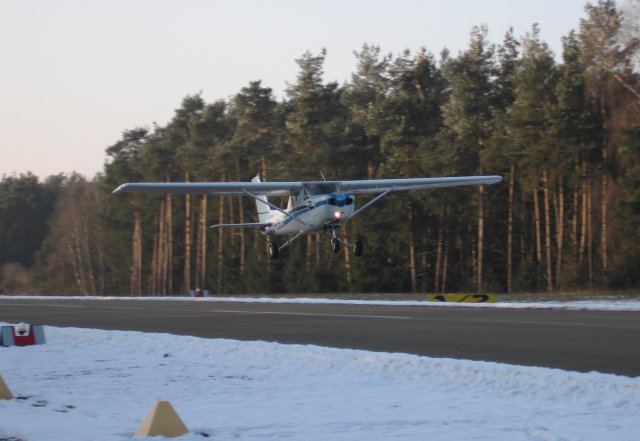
[93, 384]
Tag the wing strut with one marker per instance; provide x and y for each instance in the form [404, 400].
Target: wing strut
[286, 244]
[371, 202]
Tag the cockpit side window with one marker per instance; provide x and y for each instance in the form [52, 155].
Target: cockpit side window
[317, 188]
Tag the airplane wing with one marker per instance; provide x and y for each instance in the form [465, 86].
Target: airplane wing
[382, 185]
[213, 188]
[289, 188]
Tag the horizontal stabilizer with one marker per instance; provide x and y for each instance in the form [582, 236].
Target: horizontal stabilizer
[247, 225]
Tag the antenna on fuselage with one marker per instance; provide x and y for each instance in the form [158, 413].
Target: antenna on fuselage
[322, 174]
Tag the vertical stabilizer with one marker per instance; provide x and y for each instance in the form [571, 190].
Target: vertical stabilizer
[264, 211]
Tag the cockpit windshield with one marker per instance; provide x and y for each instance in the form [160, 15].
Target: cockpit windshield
[317, 188]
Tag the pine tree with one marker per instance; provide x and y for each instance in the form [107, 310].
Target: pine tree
[124, 165]
[26, 206]
[535, 83]
[210, 133]
[500, 151]
[467, 115]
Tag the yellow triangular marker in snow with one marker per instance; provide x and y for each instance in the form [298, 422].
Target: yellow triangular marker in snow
[161, 420]
[5, 393]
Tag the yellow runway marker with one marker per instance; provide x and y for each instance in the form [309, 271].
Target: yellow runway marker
[462, 298]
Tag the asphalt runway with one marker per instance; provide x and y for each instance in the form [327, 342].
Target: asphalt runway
[603, 341]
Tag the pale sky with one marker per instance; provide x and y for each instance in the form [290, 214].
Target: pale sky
[75, 73]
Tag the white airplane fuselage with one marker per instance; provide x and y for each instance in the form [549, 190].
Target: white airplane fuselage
[316, 213]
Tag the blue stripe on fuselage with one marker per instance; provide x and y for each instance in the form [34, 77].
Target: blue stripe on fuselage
[339, 198]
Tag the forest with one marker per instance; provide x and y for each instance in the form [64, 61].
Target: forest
[563, 131]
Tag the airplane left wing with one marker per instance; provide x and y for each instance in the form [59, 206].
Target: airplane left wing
[384, 185]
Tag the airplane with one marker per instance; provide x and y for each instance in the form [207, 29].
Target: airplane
[313, 206]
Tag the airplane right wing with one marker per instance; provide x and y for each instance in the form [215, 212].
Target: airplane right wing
[213, 188]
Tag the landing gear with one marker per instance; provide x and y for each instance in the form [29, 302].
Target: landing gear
[357, 246]
[273, 250]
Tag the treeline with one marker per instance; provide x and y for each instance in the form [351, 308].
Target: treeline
[565, 136]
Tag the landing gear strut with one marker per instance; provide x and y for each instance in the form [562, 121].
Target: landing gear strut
[335, 244]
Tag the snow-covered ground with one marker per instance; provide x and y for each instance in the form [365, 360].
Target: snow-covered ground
[86, 384]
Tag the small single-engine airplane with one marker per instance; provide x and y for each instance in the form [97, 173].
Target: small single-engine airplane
[314, 206]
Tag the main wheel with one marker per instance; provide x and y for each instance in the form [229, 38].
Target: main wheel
[272, 249]
[335, 245]
[357, 248]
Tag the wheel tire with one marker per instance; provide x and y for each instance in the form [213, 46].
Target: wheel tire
[335, 245]
[273, 250]
[358, 248]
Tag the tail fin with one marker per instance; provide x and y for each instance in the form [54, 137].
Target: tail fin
[264, 211]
